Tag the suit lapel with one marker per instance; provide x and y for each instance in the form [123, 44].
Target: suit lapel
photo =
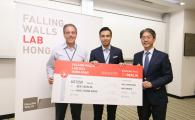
[101, 54]
[111, 54]
[152, 61]
[140, 58]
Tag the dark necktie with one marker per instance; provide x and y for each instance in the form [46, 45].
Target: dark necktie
[146, 62]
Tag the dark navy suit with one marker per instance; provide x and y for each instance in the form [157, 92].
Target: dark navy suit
[159, 73]
[116, 57]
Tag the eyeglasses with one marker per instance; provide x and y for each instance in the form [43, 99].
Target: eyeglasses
[147, 37]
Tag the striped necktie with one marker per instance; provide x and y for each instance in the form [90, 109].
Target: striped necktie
[146, 62]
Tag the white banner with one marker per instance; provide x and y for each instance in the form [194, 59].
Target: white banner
[38, 31]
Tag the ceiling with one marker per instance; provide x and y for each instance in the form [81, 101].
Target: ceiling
[161, 6]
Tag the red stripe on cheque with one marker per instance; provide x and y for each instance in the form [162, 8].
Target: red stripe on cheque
[98, 69]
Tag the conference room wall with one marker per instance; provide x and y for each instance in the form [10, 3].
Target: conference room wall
[7, 54]
[183, 67]
[8, 42]
[188, 63]
[7, 85]
[175, 51]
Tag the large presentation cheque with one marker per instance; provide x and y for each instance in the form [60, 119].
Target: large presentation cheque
[89, 83]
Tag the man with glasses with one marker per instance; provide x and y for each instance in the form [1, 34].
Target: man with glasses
[157, 73]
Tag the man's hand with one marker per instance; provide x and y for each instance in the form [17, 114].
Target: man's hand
[50, 81]
[121, 63]
[147, 84]
[95, 61]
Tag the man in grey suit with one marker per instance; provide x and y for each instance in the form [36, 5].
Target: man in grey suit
[110, 55]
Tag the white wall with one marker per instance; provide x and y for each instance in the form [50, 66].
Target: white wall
[188, 63]
[7, 86]
[176, 50]
[7, 53]
[183, 67]
[126, 10]
[7, 23]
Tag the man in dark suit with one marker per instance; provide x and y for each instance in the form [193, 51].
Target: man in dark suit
[157, 74]
[109, 55]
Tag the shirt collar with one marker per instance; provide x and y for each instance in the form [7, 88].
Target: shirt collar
[66, 46]
[151, 51]
[103, 48]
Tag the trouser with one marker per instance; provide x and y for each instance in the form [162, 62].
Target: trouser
[61, 111]
[98, 111]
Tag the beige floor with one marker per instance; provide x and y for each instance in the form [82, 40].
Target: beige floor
[178, 109]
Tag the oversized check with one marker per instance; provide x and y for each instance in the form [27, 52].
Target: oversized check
[89, 83]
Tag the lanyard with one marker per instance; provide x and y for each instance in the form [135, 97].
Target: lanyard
[72, 54]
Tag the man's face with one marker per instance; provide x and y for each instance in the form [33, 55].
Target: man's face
[147, 40]
[70, 35]
[105, 37]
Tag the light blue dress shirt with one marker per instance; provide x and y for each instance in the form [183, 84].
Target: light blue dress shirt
[106, 52]
[62, 52]
[150, 55]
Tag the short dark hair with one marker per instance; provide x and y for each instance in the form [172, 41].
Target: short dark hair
[105, 29]
[67, 25]
[151, 31]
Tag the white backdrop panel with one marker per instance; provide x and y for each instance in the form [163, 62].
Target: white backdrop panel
[31, 79]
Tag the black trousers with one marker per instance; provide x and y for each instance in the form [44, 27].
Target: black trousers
[98, 111]
[61, 111]
[158, 111]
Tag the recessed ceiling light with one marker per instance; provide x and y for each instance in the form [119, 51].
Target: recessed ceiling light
[182, 3]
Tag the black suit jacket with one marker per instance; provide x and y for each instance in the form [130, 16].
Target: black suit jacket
[116, 55]
[159, 73]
